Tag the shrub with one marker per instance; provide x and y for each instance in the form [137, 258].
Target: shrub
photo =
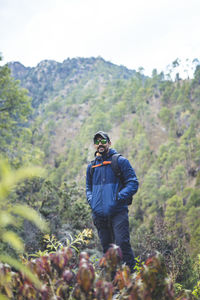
[64, 274]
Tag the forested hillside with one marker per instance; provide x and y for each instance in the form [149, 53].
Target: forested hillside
[152, 120]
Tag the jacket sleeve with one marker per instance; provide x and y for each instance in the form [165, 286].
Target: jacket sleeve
[88, 185]
[130, 180]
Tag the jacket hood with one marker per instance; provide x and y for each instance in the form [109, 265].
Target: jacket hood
[111, 152]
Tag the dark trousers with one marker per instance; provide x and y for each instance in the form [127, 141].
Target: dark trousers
[115, 230]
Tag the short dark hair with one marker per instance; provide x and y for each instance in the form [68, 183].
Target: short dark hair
[102, 134]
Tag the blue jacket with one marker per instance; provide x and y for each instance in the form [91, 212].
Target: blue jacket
[105, 193]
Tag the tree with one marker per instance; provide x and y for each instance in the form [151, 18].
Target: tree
[15, 107]
[174, 212]
[196, 79]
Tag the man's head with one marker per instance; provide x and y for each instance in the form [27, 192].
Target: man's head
[101, 142]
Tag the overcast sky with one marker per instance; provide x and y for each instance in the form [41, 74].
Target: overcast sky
[143, 33]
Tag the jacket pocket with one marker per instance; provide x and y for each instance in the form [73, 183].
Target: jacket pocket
[93, 201]
[117, 193]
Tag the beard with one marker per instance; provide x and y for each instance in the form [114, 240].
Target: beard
[102, 149]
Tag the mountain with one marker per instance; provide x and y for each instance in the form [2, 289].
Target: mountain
[50, 78]
[64, 95]
[153, 121]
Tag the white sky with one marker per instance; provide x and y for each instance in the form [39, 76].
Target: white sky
[147, 33]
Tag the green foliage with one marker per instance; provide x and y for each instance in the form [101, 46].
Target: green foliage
[162, 237]
[99, 119]
[138, 265]
[52, 245]
[193, 221]
[10, 215]
[8, 181]
[121, 144]
[196, 80]
[74, 207]
[165, 115]
[196, 290]
[174, 210]
[15, 134]
[15, 107]
[177, 177]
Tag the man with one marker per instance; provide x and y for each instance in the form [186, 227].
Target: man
[108, 196]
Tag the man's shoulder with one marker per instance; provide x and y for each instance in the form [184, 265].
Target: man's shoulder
[123, 162]
[122, 159]
[89, 165]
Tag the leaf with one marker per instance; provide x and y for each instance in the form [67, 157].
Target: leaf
[10, 177]
[20, 267]
[6, 219]
[8, 290]
[2, 297]
[71, 237]
[31, 215]
[14, 240]
[75, 248]
[78, 242]
[46, 237]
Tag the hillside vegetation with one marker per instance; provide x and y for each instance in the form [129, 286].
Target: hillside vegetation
[153, 121]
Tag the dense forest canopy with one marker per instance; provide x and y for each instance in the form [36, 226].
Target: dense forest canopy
[48, 115]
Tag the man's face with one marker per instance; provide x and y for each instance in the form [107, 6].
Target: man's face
[101, 145]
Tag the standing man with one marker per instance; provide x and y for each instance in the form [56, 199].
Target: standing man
[109, 194]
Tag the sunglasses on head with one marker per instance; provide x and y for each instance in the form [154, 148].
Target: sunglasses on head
[103, 141]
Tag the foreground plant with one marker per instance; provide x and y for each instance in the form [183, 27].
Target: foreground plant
[53, 245]
[65, 274]
[9, 216]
